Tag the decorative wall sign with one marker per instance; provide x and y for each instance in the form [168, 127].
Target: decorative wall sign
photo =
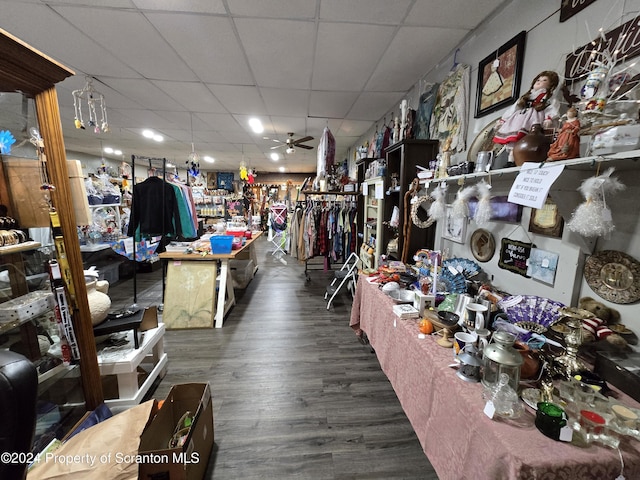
[483, 245]
[514, 256]
[623, 42]
[503, 210]
[546, 220]
[568, 8]
[499, 76]
[542, 265]
[225, 180]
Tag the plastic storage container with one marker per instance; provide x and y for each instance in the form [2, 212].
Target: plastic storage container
[221, 244]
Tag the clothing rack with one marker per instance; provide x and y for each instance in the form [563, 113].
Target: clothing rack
[132, 218]
[317, 262]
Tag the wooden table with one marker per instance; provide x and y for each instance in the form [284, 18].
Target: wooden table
[446, 412]
[226, 297]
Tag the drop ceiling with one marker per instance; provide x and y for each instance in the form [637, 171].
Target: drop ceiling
[197, 70]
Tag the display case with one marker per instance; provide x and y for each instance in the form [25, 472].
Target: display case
[372, 222]
[402, 160]
[32, 76]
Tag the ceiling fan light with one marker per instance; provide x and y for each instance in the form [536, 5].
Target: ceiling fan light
[290, 150]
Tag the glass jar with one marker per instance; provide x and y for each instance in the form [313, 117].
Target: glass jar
[501, 357]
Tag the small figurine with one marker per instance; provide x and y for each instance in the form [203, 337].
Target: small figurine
[567, 145]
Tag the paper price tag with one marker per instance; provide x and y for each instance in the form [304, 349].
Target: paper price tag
[394, 323]
[566, 434]
[489, 409]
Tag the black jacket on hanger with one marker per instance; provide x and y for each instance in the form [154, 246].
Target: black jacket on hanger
[147, 208]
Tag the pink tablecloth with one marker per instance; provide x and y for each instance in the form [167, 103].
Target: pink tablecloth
[447, 413]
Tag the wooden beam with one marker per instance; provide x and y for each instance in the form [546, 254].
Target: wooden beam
[48, 114]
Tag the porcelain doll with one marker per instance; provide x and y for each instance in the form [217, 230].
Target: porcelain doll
[567, 145]
[536, 106]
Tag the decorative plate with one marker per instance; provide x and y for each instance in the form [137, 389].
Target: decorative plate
[614, 276]
[483, 245]
[484, 142]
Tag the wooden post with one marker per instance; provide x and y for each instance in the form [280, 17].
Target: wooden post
[48, 113]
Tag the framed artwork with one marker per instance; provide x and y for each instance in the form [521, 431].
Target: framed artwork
[190, 295]
[212, 180]
[546, 220]
[455, 228]
[499, 76]
[502, 209]
[423, 115]
[542, 265]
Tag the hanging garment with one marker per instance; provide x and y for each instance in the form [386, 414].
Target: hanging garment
[150, 198]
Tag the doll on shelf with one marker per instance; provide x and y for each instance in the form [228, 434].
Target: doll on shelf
[567, 145]
[535, 106]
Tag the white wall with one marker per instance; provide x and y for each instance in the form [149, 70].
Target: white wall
[547, 44]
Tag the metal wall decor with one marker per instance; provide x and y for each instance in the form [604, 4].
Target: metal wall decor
[614, 276]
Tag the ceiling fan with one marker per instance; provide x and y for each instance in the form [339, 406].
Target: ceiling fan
[290, 143]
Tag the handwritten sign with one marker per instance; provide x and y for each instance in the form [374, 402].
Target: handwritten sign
[622, 42]
[514, 256]
[570, 7]
[532, 184]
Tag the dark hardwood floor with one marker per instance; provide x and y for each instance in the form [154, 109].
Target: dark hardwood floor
[295, 395]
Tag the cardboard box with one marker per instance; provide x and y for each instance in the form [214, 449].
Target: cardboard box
[188, 462]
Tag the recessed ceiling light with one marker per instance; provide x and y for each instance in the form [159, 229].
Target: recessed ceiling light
[170, 165]
[281, 169]
[275, 157]
[256, 125]
[148, 133]
[108, 150]
[209, 159]
[157, 137]
[117, 152]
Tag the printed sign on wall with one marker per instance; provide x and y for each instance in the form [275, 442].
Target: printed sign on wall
[514, 256]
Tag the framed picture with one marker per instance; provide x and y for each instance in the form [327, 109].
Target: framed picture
[546, 220]
[455, 228]
[499, 76]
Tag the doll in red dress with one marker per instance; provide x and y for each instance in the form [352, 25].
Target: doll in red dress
[567, 145]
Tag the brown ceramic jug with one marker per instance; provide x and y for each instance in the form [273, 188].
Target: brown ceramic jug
[531, 366]
[533, 147]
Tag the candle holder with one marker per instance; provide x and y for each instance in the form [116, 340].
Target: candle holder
[572, 319]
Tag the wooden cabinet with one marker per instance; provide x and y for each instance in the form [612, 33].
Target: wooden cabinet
[402, 159]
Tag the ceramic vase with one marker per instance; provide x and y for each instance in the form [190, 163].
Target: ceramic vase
[533, 147]
[99, 301]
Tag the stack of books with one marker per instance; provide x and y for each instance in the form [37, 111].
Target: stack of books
[405, 310]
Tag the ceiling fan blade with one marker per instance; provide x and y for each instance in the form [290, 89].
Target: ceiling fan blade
[307, 147]
[302, 140]
[279, 146]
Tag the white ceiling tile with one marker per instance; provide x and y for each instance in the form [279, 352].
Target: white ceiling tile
[368, 11]
[331, 104]
[276, 60]
[194, 97]
[398, 71]
[373, 105]
[195, 6]
[220, 122]
[448, 13]
[145, 93]
[274, 8]
[207, 44]
[354, 128]
[285, 102]
[239, 99]
[347, 54]
[137, 43]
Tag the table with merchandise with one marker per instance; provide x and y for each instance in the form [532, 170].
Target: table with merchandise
[448, 416]
[225, 297]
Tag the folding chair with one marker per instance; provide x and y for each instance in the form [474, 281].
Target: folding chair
[347, 275]
[278, 227]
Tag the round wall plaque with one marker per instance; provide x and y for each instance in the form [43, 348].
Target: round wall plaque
[483, 245]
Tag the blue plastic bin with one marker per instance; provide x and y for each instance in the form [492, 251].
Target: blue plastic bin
[221, 244]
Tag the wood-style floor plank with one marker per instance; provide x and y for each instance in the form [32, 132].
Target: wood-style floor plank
[295, 395]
